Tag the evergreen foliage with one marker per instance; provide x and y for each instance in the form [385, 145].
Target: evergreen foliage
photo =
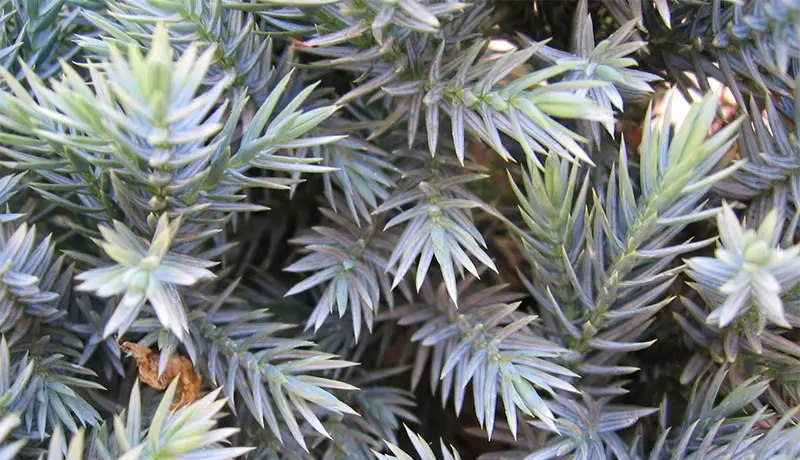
[399, 229]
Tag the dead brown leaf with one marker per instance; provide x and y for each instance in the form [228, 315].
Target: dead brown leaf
[177, 366]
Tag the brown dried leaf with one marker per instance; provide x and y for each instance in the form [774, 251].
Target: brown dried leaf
[177, 366]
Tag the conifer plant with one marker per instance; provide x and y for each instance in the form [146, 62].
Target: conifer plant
[399, 229]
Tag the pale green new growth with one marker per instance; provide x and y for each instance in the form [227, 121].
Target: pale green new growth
[749, 268]
[421, 448]
[144, 272]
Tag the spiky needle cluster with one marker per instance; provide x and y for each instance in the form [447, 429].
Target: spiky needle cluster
[253, 228]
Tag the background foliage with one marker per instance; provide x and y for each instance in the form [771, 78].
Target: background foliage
[399, 229]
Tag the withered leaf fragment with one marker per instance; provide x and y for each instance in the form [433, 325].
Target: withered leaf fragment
[177, 366]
